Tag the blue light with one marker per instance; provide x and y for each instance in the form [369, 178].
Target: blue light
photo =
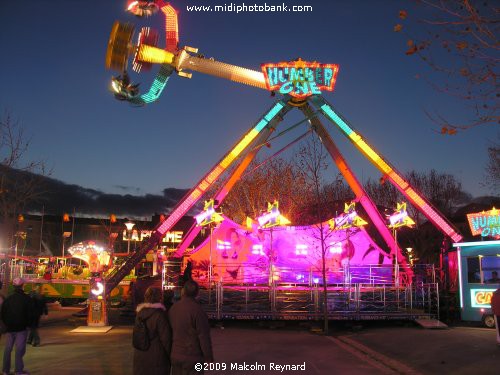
[157, 86]
[261, 124]
[479, 243]
[274, 111]
[336, 119]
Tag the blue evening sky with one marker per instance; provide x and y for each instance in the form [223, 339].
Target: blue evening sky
[53, 79]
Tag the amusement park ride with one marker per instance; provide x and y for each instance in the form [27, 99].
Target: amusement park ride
[299, 84]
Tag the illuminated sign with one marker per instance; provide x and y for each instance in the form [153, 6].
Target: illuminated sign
[174, 236]
[486, 223]
[299, 78]
[481, 297]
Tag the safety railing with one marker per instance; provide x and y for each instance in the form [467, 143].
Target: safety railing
[354, 301]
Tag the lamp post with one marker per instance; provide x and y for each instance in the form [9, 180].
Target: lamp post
[211, 218]
[129, 226]
[270, 219]
[398, 219]
[64, 236]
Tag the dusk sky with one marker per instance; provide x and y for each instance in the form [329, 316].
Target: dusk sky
[54, 81]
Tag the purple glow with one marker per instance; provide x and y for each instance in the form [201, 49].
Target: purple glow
[295, 252]
[223, 245]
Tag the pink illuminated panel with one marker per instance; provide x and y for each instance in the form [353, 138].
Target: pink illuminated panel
[241, 255]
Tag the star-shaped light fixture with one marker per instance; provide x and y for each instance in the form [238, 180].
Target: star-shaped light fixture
[400, 217]
[208, 215]
[348, 219]
[273, 217]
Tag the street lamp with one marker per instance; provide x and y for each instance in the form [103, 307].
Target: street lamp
[129, 226]
[410, 254]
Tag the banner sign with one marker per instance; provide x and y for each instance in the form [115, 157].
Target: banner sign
[486, 223]
[300, 79]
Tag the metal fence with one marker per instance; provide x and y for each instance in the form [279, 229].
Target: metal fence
[356, 302]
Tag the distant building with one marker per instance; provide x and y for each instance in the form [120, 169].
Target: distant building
[51, 235]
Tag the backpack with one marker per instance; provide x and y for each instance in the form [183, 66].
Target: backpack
[140, 335]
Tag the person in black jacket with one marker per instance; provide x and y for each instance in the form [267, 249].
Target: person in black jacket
[40, 308]
[17, 315]
[191, 341]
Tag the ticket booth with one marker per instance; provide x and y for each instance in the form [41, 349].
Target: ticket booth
[479, 271]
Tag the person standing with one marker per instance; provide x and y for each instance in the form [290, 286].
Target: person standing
[156, 359]
[191, 342]
[495, 306]
[3, 329]
[40, 308]
[17, 315]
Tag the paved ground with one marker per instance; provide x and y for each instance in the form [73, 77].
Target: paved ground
[458, 350]
[375, 349]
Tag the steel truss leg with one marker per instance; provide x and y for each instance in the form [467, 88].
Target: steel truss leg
[388, 171]
[355, 185]
[195, 194]
[235, 176]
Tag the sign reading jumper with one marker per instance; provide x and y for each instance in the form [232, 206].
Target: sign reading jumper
[299, 78]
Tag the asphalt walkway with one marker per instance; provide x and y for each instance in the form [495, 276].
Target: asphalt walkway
[257, 348]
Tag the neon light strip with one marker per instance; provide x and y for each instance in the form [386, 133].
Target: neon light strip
[236, 174]
[171, 28]
[157, 86]
[391, 173]
[479, 243]
[460, 282]
[205, 183]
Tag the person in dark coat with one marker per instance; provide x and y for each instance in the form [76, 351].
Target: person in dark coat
[191, 342]
[40, 308]
[2, 298]
[156, 360]
[495, 306]
[17, 315]
[187, 275]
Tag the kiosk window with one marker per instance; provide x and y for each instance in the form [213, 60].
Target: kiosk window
[491, 269]
[473, 270]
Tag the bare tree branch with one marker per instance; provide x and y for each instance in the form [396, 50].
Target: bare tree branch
[459, 42]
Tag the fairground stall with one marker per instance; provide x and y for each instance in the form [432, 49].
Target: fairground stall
[479, 267]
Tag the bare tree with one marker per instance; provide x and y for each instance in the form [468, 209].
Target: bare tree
[19, 179]
[382, 193]
[312, 162]
[493, 168]
[276, 179]
[458, 40]
[441, 189]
